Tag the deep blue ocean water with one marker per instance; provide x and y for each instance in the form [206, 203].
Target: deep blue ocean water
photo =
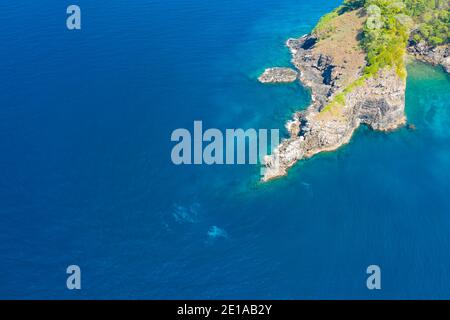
[86, 176]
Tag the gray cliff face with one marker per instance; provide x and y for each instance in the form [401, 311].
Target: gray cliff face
[378, 103]
[434, 55]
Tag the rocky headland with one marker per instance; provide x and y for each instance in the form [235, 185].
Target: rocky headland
[278, 75]
[343, 98]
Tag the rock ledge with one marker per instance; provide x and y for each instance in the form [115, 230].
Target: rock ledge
[278, 75]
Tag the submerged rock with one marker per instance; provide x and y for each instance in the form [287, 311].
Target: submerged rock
[215, 232]
[278, 75]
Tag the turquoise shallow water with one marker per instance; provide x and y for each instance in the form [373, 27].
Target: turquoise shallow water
[85, 124]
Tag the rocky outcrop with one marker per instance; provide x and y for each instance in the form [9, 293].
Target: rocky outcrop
[278, 75]
[316, 70]
[379, 103]
[439, 55]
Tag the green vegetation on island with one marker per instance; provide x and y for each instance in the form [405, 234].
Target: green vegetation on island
[432, 18]
[389, 26]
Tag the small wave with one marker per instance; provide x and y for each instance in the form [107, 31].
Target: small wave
[215, 232]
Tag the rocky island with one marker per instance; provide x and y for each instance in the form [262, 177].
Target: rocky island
[278, 75]
[354, 64]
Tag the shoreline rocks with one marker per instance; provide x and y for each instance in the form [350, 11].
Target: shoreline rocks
[439, 55]
[278, 75]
